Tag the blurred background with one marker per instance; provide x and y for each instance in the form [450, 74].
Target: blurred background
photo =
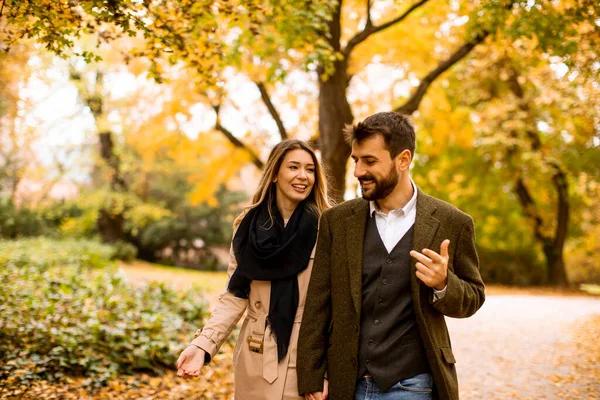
[133, 132]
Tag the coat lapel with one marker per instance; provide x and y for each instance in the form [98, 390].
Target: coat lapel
[426, 227]
[355, 235]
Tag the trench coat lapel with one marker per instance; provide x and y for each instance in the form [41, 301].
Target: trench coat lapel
[426, 226]
[355, 234]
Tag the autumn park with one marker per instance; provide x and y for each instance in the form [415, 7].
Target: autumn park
[132, 133]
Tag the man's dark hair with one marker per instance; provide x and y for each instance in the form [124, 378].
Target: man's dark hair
[397, 129]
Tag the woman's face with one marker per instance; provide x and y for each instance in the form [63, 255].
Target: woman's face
[296, 177]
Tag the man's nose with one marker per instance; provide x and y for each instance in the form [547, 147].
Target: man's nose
[358, 171]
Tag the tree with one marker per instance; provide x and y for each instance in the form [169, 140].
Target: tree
[537, 119]
[16, 137]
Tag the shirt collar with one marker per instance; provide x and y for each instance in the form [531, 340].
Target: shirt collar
[406, 209]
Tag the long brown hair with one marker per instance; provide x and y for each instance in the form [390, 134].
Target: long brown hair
[318, 200]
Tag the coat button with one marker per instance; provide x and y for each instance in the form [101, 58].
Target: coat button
[353, 361]
[258, 305]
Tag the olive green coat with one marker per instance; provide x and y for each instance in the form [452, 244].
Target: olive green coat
[329, 333]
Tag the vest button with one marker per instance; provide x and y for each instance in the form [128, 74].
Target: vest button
[376, 322]
[389, 261]
[384, 281]
[371, 342]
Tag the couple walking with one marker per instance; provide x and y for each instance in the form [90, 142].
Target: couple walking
[359, 312]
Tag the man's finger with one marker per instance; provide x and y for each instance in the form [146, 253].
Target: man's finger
[420, 257]
[444, 248]
[424, 269]
[435, 257]
[422, 277]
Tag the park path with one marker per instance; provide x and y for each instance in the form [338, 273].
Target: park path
[526, 347]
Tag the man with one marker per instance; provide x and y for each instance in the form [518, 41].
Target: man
[388, 268]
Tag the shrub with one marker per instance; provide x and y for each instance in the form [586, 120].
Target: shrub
[124, 251]
[520, 267]
[66, 310]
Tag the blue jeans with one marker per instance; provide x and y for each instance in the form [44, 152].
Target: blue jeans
[416, 388]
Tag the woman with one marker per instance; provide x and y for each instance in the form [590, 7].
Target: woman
[269, 269]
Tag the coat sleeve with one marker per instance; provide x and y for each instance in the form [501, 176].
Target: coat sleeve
[226, 314]
[465, 292]
[314, 335]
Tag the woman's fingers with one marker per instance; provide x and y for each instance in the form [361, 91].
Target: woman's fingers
[181, 360]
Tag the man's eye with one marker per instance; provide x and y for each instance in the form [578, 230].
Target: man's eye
[370, 162]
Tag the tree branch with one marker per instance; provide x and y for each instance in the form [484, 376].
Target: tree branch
[415, 100]
[235, 141]
[370, 29]
[530, 210]
[369, 22]
[2, 8]
[267, 100]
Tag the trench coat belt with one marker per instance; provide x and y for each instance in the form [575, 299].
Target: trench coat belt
[270, 363]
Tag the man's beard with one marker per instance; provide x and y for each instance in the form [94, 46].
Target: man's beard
[382, 188]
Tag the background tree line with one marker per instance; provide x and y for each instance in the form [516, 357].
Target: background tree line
[504, 94]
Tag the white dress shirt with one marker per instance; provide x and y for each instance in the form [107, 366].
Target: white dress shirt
[393, 226]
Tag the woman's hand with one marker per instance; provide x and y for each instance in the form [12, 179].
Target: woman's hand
[319, 395]
[190, 362]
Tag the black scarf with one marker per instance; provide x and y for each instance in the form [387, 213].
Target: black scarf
[266, 250]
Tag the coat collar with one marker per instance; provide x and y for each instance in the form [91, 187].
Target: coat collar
[426, 226]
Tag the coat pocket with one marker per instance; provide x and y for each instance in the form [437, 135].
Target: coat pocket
[448, 355]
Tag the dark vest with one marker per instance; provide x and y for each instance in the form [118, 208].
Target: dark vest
[390, 347]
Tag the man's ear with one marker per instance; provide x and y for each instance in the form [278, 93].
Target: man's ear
[403, 160]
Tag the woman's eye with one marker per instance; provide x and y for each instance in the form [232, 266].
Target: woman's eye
[312, 171]
[293, 167]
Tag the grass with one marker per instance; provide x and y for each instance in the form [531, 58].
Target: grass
[211, 283]
[590, 288]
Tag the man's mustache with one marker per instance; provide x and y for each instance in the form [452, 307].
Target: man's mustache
[366, 178]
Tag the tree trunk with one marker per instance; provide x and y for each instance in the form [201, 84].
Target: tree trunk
[111, 226]
[334, 114]
[556, 265]
[553, 246]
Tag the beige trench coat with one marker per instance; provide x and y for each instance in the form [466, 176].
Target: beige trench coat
[257, 376]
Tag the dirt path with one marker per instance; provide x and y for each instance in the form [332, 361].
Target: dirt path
[526, 347]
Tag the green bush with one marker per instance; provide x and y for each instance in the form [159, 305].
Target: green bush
[517, 267]
[17, 222]
[65, 310]
[124, 251]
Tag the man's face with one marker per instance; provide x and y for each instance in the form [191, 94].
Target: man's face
[374, 168]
